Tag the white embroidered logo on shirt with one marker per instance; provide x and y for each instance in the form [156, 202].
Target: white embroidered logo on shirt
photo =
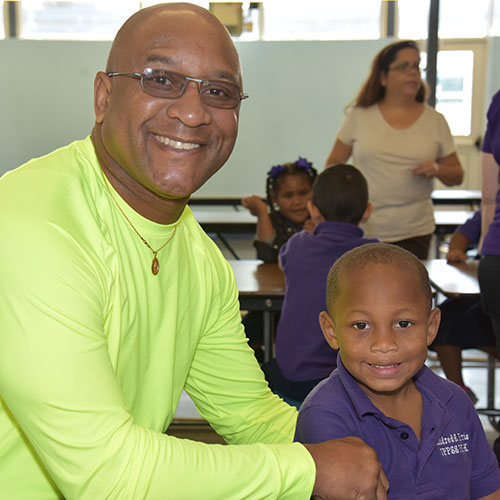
[453, 444]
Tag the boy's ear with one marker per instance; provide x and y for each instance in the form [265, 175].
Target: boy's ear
[102, 90]
[367, 213]
[310, 208]
[433, 324]
[328, 328]
[314, 212]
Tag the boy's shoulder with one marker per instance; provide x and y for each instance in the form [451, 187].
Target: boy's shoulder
[443, 390]
[333, 395]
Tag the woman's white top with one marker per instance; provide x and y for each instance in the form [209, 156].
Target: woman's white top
[401, 200]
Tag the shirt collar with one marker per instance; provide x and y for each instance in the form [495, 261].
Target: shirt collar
[339, 228]
[427, 382]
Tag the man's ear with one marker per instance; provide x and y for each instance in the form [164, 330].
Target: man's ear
[433, 324]
[367, 213]
[102, 90]
[328, 327]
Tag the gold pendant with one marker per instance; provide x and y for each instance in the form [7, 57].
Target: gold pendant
[155, 266]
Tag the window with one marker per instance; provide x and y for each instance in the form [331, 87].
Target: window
[413, 19]
[271, 19]
[78, 20]
[495, 18]
[2, 30]
[457, 18]
[455, 69]
[463, 18]
[320, 20]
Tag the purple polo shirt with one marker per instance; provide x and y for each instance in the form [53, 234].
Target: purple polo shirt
[491, 144]
[302, 353]
[453, 459]
[471, 228]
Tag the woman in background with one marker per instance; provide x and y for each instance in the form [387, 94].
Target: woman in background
[400, 144]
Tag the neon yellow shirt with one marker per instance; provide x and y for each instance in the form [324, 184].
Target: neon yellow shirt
[95, 351]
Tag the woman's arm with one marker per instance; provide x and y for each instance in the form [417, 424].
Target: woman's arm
[340, 153]
[489, 189]
[447, 169]
[450, 171]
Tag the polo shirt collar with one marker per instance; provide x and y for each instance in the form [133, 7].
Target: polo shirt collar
[428, 383]
[339, 229]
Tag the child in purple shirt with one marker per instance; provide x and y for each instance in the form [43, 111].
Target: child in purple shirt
[303, 358]
[427, 436]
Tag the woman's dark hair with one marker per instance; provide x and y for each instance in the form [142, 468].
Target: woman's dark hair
[278, 172]
[372, 90]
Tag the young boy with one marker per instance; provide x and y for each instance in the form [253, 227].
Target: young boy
[424, 429]
[303, 358]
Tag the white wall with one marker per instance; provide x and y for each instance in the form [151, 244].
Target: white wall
[298, 91]
[297, 94]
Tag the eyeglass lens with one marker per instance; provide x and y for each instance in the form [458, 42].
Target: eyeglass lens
[167, 84]
[406, 66]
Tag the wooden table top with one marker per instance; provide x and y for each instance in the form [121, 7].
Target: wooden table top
[254, 278]
[453, 279]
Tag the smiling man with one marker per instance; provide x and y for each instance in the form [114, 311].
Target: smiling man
[113, 300]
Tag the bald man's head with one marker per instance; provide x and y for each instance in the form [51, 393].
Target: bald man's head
[154, 24]
[171, 143]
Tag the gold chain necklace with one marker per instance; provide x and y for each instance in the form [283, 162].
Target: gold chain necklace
[155, 265]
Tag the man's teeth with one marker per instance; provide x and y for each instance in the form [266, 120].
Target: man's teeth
[176, 144]
[386, 366]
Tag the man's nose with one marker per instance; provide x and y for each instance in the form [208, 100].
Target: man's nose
[189, 108]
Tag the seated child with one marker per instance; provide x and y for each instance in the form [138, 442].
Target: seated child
[464, 325]
[424, 428]
[288, 189]
[303, 358]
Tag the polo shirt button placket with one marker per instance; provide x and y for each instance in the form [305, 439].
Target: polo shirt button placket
[404, 435]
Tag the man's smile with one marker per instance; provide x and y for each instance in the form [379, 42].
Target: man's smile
[174, 143]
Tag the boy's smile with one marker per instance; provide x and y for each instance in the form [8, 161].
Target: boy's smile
[382, 324]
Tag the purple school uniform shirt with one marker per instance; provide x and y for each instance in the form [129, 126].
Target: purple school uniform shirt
[453, 459]
[471, 228]
[302, 352]
[491, 144]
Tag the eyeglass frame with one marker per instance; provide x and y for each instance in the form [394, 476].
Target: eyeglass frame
[404, 67]
[187, 79]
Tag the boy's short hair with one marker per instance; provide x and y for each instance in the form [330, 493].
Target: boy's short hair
[340, 193]
[375, 253]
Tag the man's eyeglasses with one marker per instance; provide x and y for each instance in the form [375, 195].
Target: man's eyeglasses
[406, 66]
[171, 85]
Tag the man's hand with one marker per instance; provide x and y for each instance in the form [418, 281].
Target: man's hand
[347, 469]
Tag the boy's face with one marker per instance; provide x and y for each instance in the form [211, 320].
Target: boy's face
[382, 325]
